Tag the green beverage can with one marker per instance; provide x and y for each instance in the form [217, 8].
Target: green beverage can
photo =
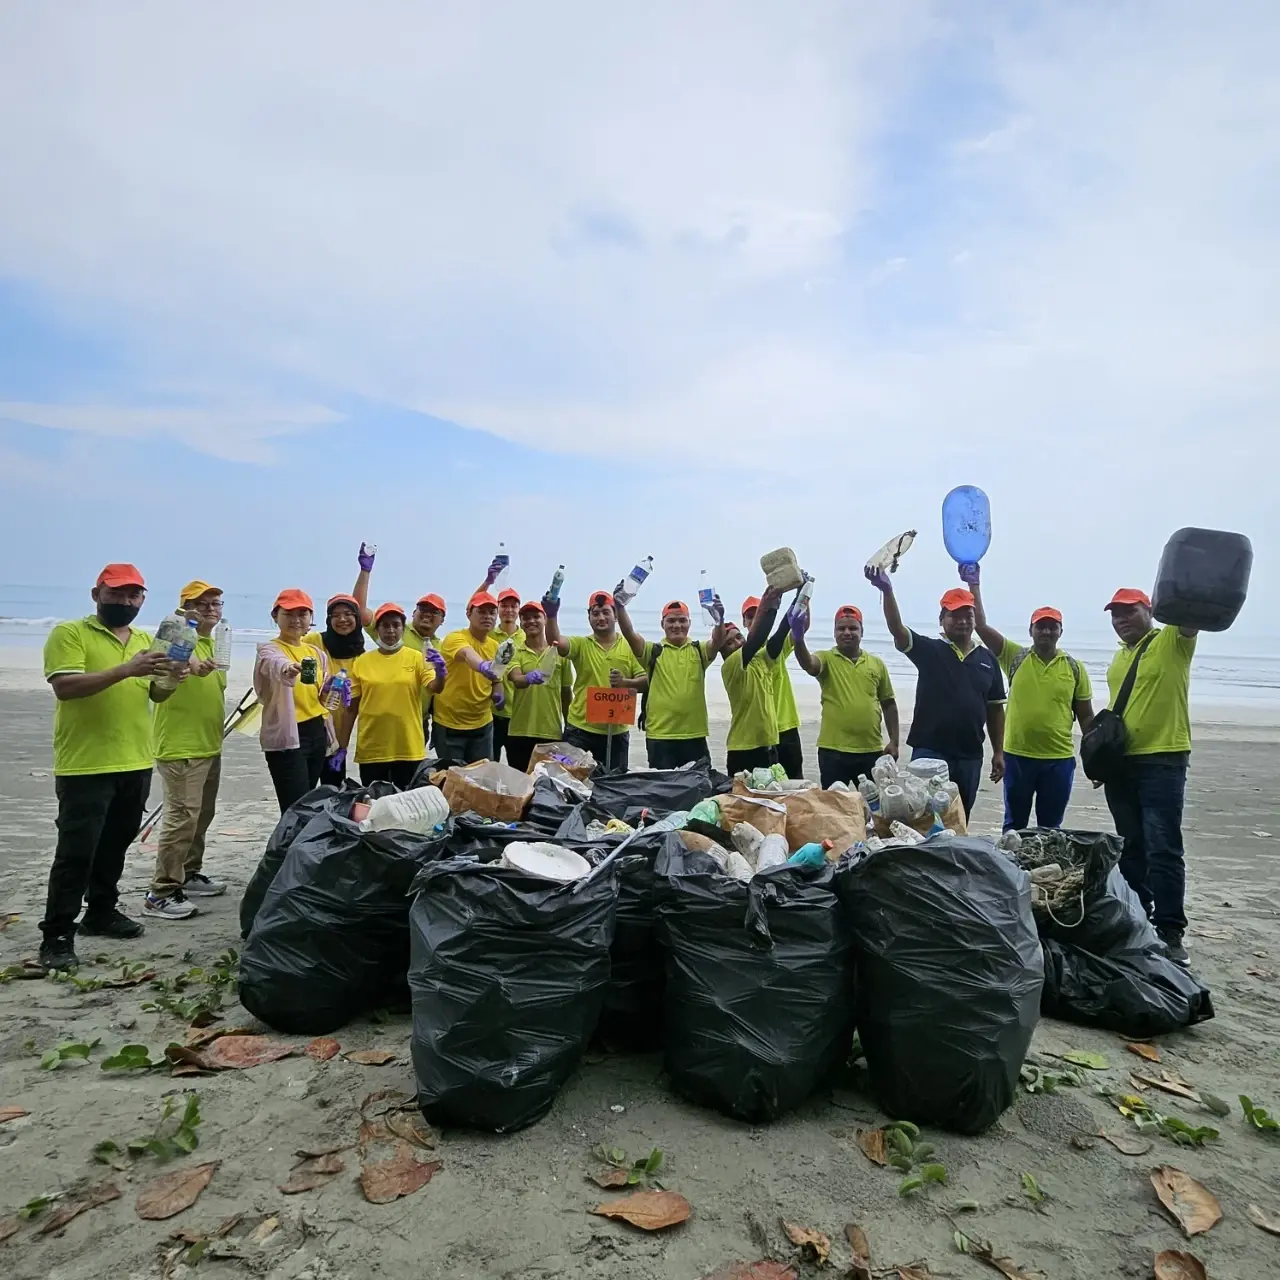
[308, 675]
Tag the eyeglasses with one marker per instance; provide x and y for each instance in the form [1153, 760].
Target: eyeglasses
[207, 606]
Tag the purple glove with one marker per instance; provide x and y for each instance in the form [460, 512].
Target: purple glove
[486, 669]
[970, 574]
[717, 610]
[499, 698]
[495, 567]
[535, 677]
[436, 658]
[366, 557]
[798, 621]
[878, 579]
[551, 607]
[338, 761]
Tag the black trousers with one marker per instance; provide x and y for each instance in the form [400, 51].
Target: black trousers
[520, 750]
[99, 815]
[501, 724]
[844, 766]
[791, 754]
[756, 758]
[617, 753]
[671, 753]
[399, 773]
[297, 771]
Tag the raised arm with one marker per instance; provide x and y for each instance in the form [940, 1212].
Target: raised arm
[799, 626]
[760, 624]
[361, 589]
[892, 617]
[970, 575]
[718, 632]
[552, 609]
[777, 641]
[629, 633]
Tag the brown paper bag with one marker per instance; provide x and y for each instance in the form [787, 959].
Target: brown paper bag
[583, 765]
[492, 790]
[767, 816]
[953, 818]
[815, 816]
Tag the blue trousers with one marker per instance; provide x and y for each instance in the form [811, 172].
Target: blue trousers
[1146, 804]
[966, 774]
[1048, 782]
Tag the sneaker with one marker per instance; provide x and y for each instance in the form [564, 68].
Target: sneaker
[59, 953]
[200, 886]
[1172, 939]
[116, 925]
[174, 908]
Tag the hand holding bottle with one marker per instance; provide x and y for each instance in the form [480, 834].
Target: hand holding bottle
[798, 621]
[205, 667]
[496, 566]
[489, 672]
[367, 552]
[970, 574]
[436, 659]
[878, 579]
[534, 678]
[551, 606]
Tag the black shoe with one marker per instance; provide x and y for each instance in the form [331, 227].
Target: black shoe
[1172, 939]
[59, 953]
[116, 925]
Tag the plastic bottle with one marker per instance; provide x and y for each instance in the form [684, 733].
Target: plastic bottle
[773, 852]
[805, 594]
[222, 645]
[502, 558]
[337, 688]
[966, 524]
[1203, 579]
[503, 658]
[557, 581]
[706, 598]
[176, 638]
[635, 580]
[419, 810]
[870, 793]
[888, 556]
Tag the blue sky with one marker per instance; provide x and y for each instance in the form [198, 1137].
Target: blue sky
[691, 281]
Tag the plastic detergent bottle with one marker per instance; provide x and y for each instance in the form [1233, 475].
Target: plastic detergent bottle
[557, 581]
[338, 687]
[635, 580]
[966, 524]
[501, 557]
[222, 645]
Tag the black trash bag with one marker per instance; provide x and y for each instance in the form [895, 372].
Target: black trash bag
[422, 775]
[326, 799]
[507, 975]
[549, 806]
[760, 983]
[660, 791]
[949, 977]
[331, 940]
[473, 834]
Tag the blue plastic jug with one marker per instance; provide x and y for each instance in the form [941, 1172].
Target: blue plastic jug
[966, 524]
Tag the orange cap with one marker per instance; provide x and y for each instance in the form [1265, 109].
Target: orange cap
[435, 601]
[957, 598]
[120, 575]
[1128, 595]
[481, 598]
[675, 606]
[294, 598]
[508, 593]
[383, 609]
[597, 598]
[1041, 614]
[848, 611]
[533, 606]
[342, 598]
[751, 602]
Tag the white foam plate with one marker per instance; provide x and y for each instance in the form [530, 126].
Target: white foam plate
[546, 861]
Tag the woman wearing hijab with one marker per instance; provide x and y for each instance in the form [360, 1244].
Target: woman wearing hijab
[297, 733]
[342, 641]
[386, 702]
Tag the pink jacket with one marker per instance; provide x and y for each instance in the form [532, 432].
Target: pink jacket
[273, 683]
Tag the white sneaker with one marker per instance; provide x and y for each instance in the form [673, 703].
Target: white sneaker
[200, 886]
[175, 908]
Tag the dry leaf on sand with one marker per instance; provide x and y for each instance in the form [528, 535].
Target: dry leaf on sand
[1173, 1264]
[1194, 1206]
[315, 1152]
[11, 1113]
[236, 1053]
[610, 1179]
[370, 1057]
[1126, 1144]
[103, 1193]
[9, 1226]
[1147, 1051]
[815, 1248]
[198, 1039]
[858, 1244]
[133, 980]
[313, 1173]
[383, 1181]
[1166, 1083]
[411, 1127]
[1263, 1218]
[322, 1048]
[872, 1143]
[762, 1270]
[918, 1271]
[648, 1210]
[173, 1192]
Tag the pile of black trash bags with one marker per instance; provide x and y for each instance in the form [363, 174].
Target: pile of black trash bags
[751, 990]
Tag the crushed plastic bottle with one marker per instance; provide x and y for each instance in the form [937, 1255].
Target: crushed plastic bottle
[632, 583]
[891, 553]
[176, 638]
[884, 771]
[339, 689]
[1010, 842]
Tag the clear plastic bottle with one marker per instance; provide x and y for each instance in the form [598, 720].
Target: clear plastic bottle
[338, 687]
[888, 556]
[504, 657]
[870, 793]
[557, 581]
[222, 645]
[805, 594]
[176, 638]
[635, 580]
[707, 599]
[504, 575]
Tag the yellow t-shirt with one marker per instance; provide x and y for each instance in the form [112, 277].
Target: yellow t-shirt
[315, 638]
[537, 711]
[412, 640]
[1041, 704]
[852, 691]
[507, 687]
[306, 697]
[466, 702]
[389, 718]
[752, 700]
[109, 732]
[187, 725]
[784, 694]
[1158, 717]
[676, 705]
[592, 663]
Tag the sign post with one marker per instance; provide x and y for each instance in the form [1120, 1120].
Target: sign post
[611, 708]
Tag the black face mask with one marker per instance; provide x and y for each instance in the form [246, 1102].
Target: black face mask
[115, 616]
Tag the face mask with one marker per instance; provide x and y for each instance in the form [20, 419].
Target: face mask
[117, 615]
[390, 648]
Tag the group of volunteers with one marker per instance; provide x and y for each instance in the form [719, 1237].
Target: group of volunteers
[375, 686]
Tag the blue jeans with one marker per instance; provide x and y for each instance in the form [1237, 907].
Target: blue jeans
[966, 774]
[1146, 804]
[461, 746]
[1048, 782]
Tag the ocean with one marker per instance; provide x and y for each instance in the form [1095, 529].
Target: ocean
[1230, 670]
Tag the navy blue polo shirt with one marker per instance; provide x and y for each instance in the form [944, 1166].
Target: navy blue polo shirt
[952, 696]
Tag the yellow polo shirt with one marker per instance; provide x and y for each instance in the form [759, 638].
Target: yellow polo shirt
[389, 720]
[504, 713]
[676, 705]
[466, 701]
[752, 700]
[1041, 705]
[592, 663]
[783, 692]
[187, 725]
[537, 711]
[852, 691]
[1158, 717]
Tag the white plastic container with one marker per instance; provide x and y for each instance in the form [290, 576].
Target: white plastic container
[773, 853]
[546, 861]
[927, 769]
[420, 811]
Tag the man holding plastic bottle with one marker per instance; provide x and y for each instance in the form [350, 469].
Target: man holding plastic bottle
[602, 658]
[790, 749]
[463, 710]
[100, 669]
[747, 670]
[1048, 691]
[1146, 801]
[959, 689]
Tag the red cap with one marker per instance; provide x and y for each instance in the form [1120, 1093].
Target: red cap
[675, 606]
[342, 598]
[435, 601]
[751, 602]
[383, 609]
[1129, 595]
[120, 575]
[1041, 614]
[848, 611]
[533, 606]
[481, 598]
[294, 598]
[508, 593]
[597, 598]
[957, 598]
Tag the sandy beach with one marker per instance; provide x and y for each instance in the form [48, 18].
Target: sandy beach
[518, 1207]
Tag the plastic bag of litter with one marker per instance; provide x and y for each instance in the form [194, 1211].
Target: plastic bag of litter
[950, 973]
[659, 791]
[507, 973]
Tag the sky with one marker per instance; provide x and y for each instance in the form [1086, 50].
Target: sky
[689, 280]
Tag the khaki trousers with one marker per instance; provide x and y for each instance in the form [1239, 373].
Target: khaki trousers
[190, 797]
